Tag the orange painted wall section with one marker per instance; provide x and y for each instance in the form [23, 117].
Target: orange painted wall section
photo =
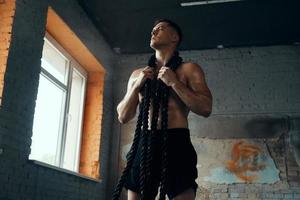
[89, 156]
[71, 43]
[7, 12]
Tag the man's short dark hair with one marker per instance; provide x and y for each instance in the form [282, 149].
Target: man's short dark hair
[173, 25]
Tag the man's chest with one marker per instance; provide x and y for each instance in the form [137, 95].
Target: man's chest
[173, 96]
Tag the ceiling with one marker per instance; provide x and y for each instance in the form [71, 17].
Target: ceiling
[126, 24]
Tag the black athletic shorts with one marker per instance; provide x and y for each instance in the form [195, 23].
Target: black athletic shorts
[181, 168]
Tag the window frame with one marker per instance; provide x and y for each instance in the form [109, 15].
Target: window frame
[72, 65]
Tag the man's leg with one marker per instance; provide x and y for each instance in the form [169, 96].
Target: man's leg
[188, 194]
[132, 195]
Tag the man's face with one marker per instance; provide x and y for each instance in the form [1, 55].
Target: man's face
[162, 35]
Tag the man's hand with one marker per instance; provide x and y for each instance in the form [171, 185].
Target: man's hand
[146, 73]
[167, 76]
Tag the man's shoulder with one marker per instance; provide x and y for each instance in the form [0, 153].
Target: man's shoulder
[191, 67]
[136, 71]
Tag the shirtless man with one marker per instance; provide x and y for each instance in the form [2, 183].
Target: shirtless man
[189, 91]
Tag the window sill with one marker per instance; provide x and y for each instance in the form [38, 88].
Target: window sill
[64, 170]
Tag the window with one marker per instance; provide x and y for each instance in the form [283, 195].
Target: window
[58, 117]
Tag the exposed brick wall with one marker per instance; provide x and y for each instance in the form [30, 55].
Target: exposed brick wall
[249, 85]
[89, 156]
[7, 12]
[20, 178]
[287, 188]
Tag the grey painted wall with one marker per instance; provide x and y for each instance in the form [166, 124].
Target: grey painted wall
[255, 98]
[20, 178]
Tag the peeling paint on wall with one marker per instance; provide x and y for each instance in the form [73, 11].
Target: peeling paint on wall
[234, 161]
[246, 162]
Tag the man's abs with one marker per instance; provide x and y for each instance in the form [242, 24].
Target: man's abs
[177, 114]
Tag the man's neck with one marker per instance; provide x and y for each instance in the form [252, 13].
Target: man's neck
[163, 56]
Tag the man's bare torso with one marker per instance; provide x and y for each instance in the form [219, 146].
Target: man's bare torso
[177, 110]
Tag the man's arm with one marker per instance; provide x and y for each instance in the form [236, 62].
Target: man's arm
[127, 107]
[196, 95]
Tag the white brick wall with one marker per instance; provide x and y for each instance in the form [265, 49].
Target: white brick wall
[247, 84]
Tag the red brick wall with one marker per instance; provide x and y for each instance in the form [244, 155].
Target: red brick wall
[91, 137]
[7, 12]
